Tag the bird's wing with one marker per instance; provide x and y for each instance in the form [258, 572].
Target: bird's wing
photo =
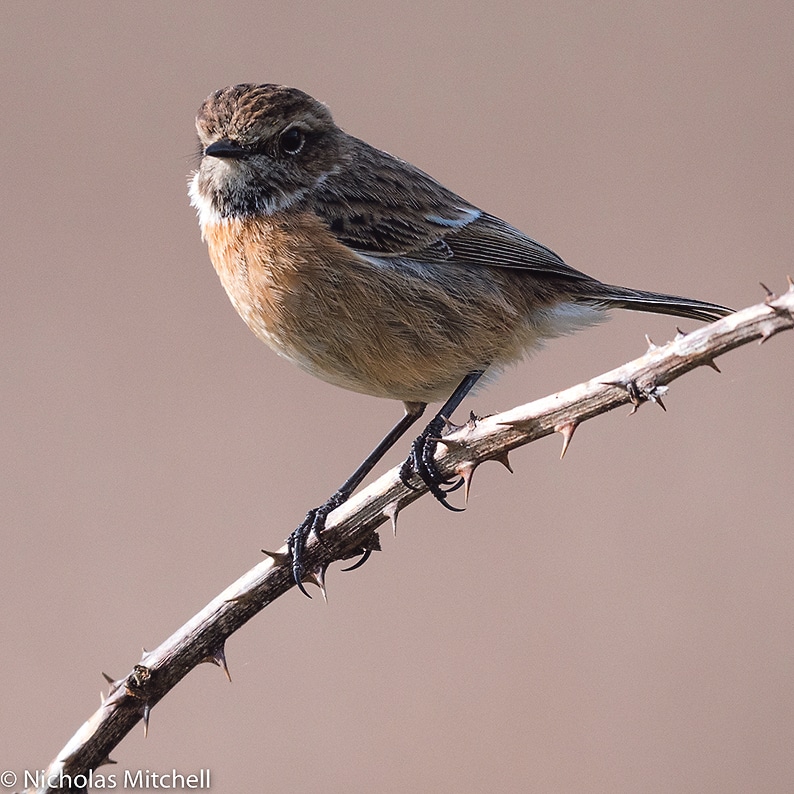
[492, 242]
[393, 209]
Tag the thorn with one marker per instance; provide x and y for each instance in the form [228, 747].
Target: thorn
[635, 395]
[778, 307]
[244, 598]
[391, 511]
[146, 710]
[106, 761]
[465, 471]
[450, 427]
[711, 363]
[317, 576]
[655, 396]
[779, 310]
[651, 345]
[522, 425]
[679, 334]
[219, 658]
[114, 685]
[790, 283]
[450, 443]
[504, 459]
[472, 421]
[769, 330]
[279, 557]
[768, 333]
[566, 431]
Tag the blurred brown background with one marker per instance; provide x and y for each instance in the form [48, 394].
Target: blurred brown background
[619, 622]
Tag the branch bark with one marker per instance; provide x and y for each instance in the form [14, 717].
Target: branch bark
[351, 528]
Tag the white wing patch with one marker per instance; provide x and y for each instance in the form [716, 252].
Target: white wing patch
[467, 215]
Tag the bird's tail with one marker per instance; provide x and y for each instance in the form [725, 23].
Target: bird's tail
[612, 297]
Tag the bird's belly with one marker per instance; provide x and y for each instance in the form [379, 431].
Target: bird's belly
[398, 330]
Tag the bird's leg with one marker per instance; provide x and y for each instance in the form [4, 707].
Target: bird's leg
[314, 523]
[421, 461]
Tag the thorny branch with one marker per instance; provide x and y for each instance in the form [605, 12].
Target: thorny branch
[351, 528]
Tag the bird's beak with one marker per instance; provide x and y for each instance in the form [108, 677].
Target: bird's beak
[225, 149]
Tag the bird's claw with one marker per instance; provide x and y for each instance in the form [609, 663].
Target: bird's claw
[365, 554]
[421, 461]
[314, 524]
[296, 544]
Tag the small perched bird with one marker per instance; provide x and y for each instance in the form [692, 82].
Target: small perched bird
[370, 274]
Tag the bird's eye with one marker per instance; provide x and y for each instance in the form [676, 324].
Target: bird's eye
[291, 140]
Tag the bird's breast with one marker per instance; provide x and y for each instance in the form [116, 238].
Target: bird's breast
[269, 267]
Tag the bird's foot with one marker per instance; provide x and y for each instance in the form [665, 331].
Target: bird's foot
[314, 524]
[421, 462]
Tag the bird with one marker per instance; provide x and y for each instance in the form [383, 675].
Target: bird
[369, 274]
